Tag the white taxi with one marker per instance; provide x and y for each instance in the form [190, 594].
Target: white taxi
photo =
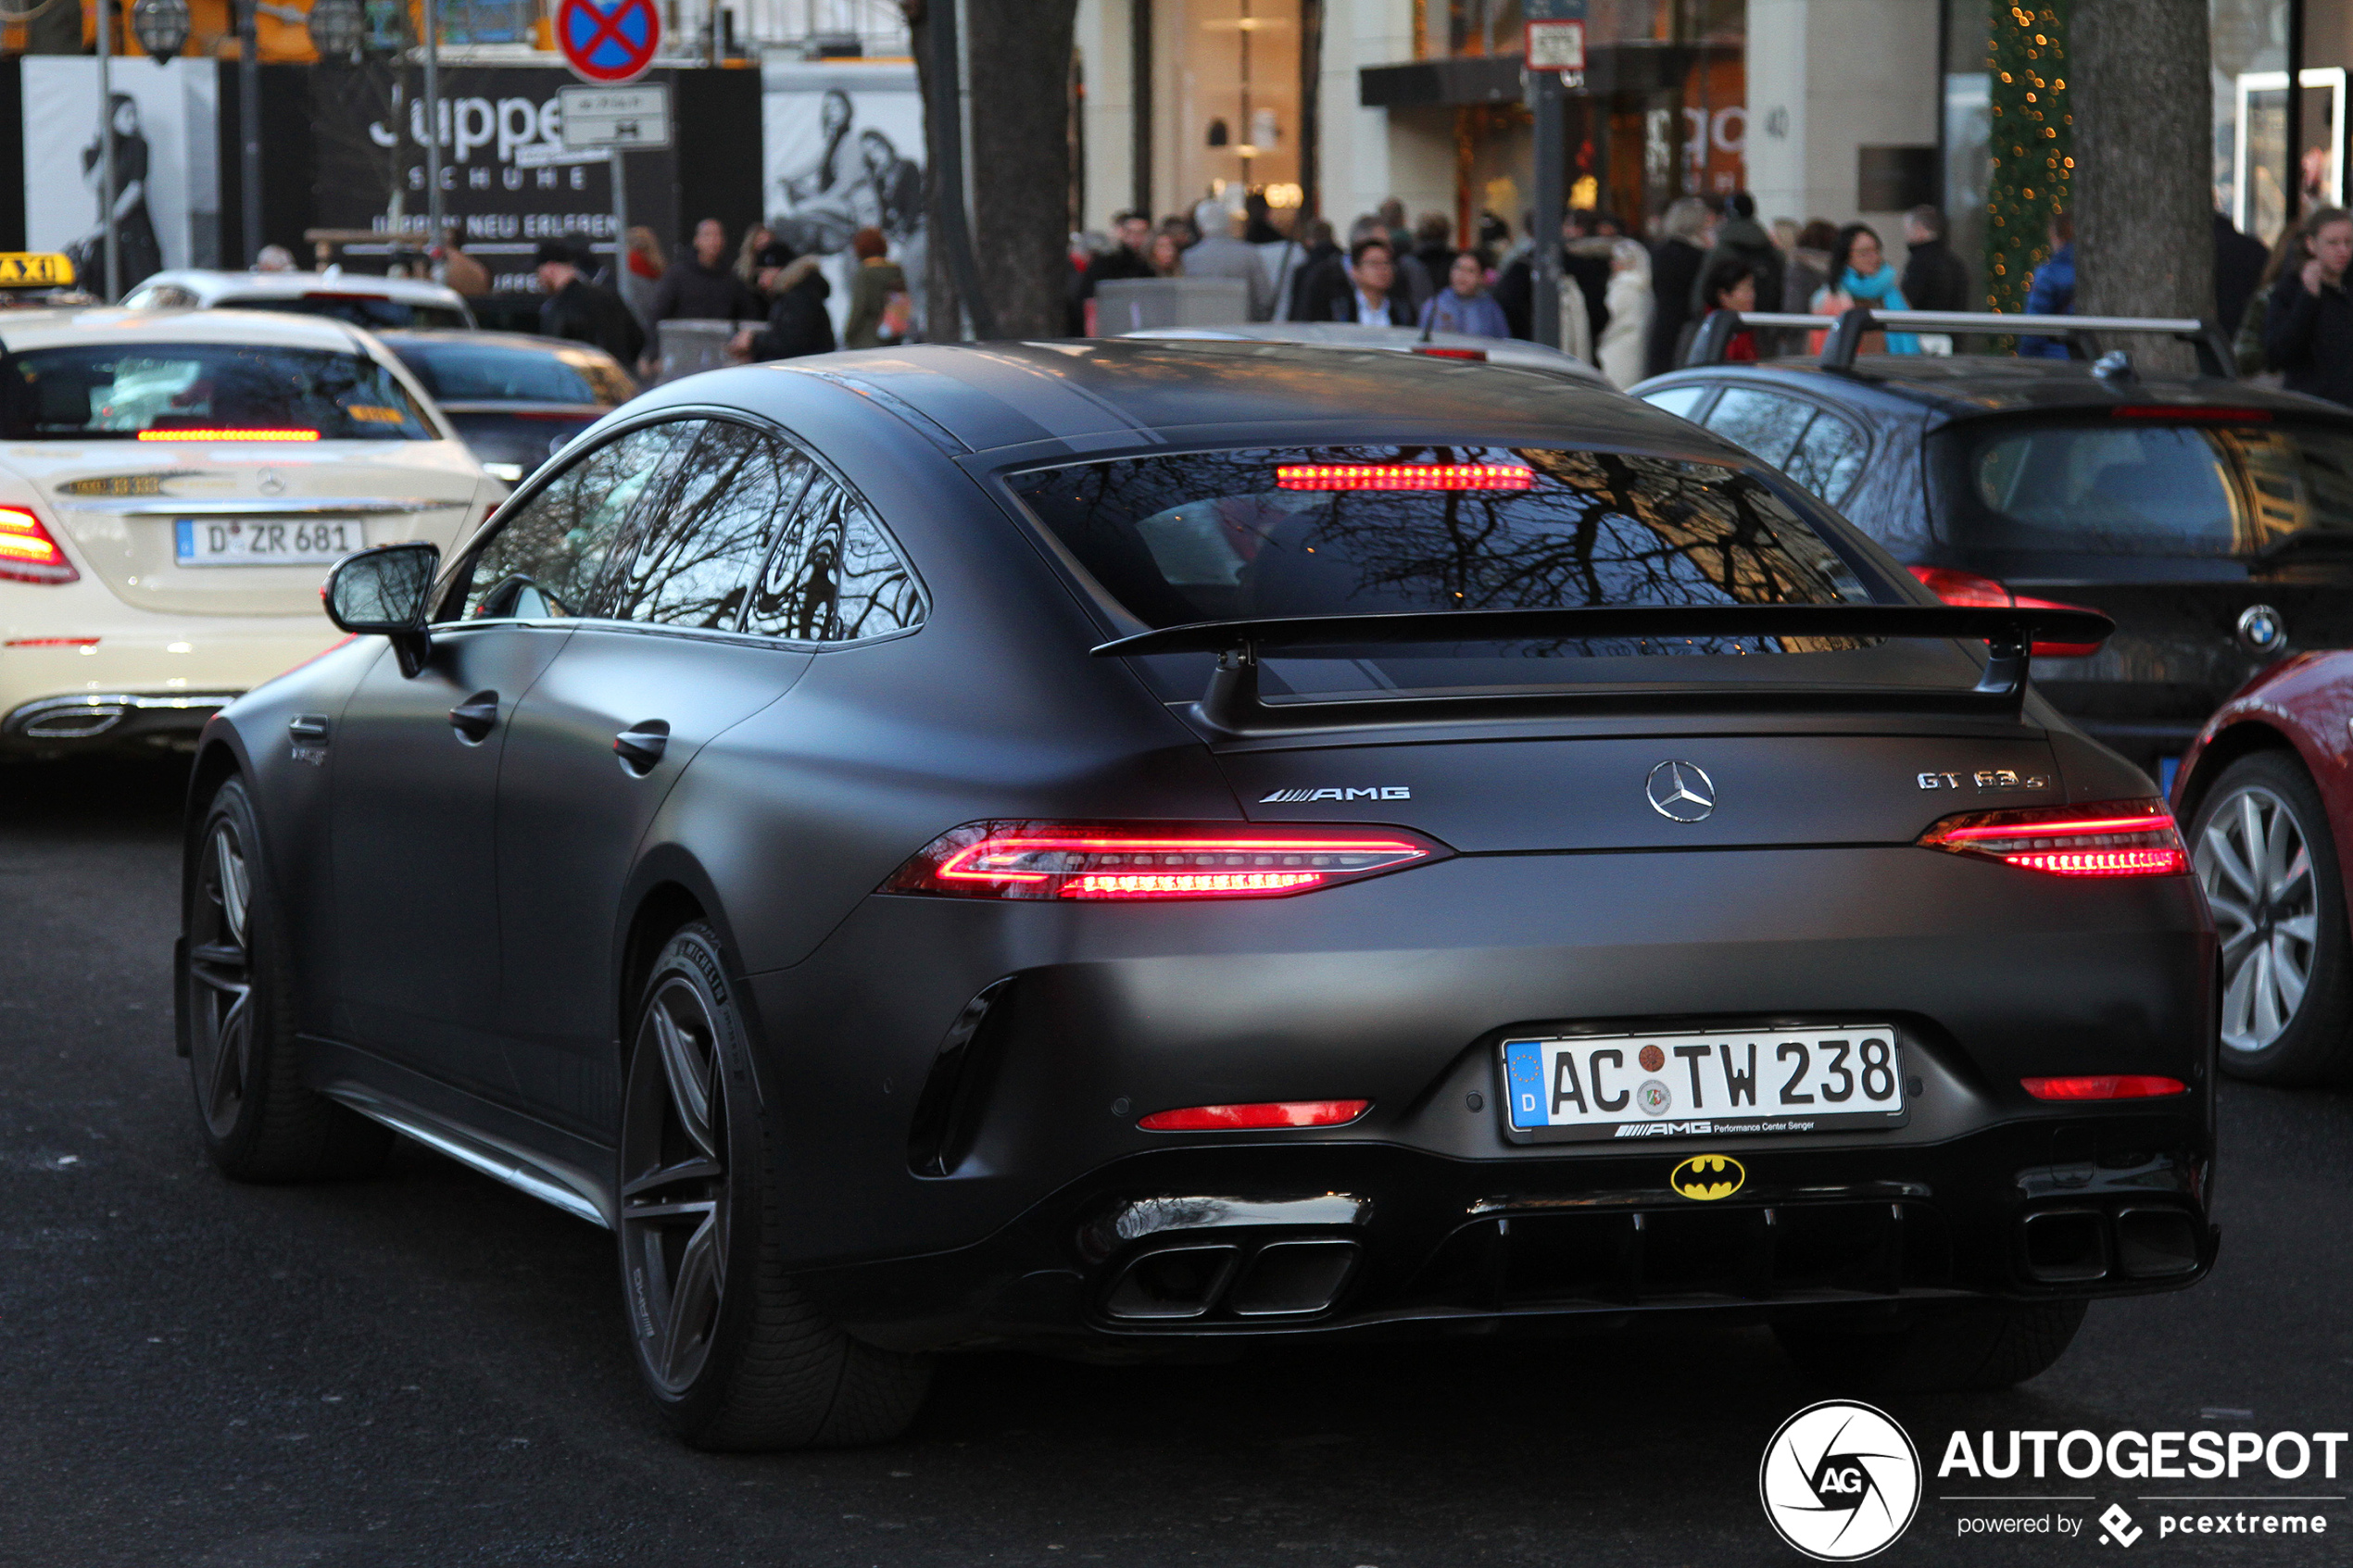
[172, 489]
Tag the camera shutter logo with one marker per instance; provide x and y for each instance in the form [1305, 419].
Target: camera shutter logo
[1840, 1481]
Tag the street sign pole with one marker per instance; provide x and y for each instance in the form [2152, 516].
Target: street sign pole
[107, 193]
[433, 131]
[1554, 47]
[608, 43]
[619, 221]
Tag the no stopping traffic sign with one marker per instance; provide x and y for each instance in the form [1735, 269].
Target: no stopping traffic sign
[611, 42]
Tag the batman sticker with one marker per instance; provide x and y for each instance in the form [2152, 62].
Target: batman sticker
[1706, 1177]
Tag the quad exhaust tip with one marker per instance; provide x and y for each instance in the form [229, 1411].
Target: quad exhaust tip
[2081, 1245]
[1294, 1278]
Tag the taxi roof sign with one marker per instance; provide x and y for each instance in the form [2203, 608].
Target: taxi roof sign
[35, 270]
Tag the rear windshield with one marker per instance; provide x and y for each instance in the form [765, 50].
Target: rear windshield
[481, 372]
[1263, 532]
[367, 311]
[121, 391]
[2134, 488]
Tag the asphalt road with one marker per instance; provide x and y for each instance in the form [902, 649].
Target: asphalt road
[427, 1367]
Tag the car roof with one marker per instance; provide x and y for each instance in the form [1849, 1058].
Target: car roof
[1396, 340]
[275, 328]
[468, 337]
[1963, 386]
[1100, 393]
[209, 284]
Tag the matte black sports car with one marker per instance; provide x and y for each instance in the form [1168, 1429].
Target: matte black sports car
[1117, 846]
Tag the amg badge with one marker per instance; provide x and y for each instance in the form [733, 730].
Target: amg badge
[1292, 796]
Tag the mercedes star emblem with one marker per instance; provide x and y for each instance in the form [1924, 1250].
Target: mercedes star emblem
[270, 483]
[1681, 792]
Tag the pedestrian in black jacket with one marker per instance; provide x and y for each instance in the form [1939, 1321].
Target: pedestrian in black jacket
[583, 311]
[2239, 263]
[1125, 259]
[1934, 279]
[1589, 265]
[1676, 262]
[2309, 331]
[1375, 297]
[700, 285]
[798, 321]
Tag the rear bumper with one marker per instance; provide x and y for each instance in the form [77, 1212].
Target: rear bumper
[86, 672]
[1371, 1240]
[940, 1177]
[110, 718]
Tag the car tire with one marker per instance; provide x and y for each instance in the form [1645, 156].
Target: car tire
[2287, 976]
[236, 1002]
[737, 1357]
[1983, 1346]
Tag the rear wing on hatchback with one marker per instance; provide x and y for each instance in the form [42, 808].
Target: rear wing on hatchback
[1232, 703]
[1848, 329]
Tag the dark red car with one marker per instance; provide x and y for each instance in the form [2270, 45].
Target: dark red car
[2267, 790]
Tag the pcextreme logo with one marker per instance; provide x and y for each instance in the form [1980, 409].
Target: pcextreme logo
[1840, 1481]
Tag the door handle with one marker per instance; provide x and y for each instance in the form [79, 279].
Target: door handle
[475, 718]
[641, 746]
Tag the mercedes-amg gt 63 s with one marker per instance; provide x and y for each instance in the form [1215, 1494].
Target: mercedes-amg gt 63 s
[1115, 847]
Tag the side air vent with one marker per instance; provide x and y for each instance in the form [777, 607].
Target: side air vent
[948, 1111]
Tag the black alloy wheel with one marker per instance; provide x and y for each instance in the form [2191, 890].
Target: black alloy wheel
[235, 995]
[2264, 853]
[735, 1355]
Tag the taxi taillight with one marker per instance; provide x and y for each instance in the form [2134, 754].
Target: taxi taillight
[27, 553]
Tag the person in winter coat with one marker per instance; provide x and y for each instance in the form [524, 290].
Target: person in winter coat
[1860, 275]
[1374, 298]
[1739, 235]
[1934, 279]
[582, 310]
[1585, 264]
[1221, 252]
[1464, 305]
[2308, 329]
[700, 285]
[798, 322]
[1809, 266]
[1625, 342]
[1325, 292]
[1730, 283]
[1126, 259]
[2247, 349]
[2053, 290]
[2239, 266]
[1675, 267]
[880, 307]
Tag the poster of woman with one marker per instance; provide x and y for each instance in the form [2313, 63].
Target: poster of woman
[167, 191]
[843, 142]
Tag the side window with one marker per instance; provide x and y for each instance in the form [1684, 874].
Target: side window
[1677, 400]
[1828, 457]
[833, 576]
[558, 556]
[1767, 423]
[705, 536]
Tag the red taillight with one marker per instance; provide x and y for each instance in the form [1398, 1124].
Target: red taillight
[227, 432]
[2123, 1085]
[27, 553]
[1972, 592]
[2108, 838]
[50, 642]
[1436, 351]
[1275, 1113]
[1142, 861]
[1403, 476]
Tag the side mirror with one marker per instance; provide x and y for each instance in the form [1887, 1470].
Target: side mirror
[383, 592]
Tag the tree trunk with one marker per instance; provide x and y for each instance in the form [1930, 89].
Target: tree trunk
[1019, 64]
[2144, 155]
[1018, 61]
[943, 307]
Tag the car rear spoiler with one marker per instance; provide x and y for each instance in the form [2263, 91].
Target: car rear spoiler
[1846, 332]
[1232, 703]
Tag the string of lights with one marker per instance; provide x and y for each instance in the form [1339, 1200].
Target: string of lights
[2033, 142]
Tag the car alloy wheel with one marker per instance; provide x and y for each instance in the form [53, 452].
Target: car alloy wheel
[2254, 860]
[220, 1037]
[674, 1193]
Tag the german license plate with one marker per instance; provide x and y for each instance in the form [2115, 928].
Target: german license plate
[1714, 1084]
[246, 541]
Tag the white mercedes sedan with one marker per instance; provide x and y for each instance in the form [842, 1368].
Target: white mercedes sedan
[172, 488]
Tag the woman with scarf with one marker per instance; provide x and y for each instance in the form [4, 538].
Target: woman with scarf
[1860, 275]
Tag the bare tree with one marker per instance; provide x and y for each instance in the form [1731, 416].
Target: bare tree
[2144, 155]
[1017, 55]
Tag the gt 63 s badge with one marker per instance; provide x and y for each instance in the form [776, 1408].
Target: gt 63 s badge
[1841, 1481]
[1708, 1177]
